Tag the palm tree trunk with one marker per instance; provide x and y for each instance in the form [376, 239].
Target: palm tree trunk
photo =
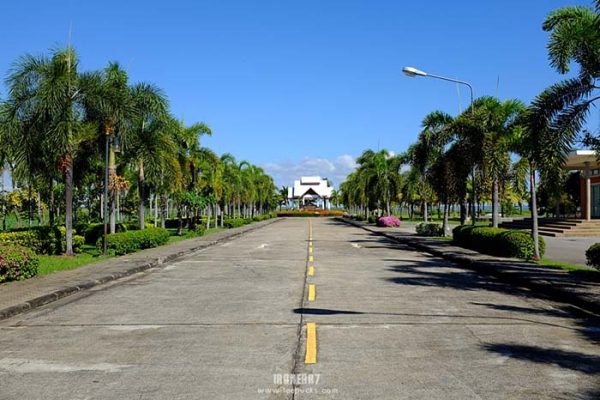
[142, 193]
[534, 214]
[179, 220]
[445, 224]
[112, 172]
[163, 210]
[495, 201]
[69, 205]
[51, 203]
[425, 211]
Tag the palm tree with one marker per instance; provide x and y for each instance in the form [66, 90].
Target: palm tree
[496, 122]
[557, 115]
[151, 137]
[111, 106]
[430, 146]
[45, 94]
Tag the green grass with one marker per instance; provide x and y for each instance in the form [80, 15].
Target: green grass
[89, 254]
[571, 268]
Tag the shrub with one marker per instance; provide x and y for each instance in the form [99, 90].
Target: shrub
[17, 263]
[372, 219]
[40, 239]
[389, 222]
[430, 229]
[497, 241]
[234, 222]
[131, 241]
[135, 226]
[593, 256]
[200, 230]
[96, 231]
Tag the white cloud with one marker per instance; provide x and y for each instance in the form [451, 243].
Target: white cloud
[285, 172]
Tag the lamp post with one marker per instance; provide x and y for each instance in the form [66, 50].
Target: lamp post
[414, 72]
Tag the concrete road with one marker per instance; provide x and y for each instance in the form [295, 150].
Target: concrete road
[569, 249]
[230, 323]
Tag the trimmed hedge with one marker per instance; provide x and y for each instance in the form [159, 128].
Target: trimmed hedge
[235, 222]
[17, 263]
[429, 229]
[315, 213]
[592, 256]
[93, 232]
[131, 241]
[497, 241]
[41, 239]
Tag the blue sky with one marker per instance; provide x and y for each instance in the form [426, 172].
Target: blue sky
[300, 87]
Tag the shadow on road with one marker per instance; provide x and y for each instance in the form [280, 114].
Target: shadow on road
[588, 364]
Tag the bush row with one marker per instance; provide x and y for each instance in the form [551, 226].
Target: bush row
[41, 239]
[429, 229]
[315, 213]
[497, 241]
[131, 241]
[17, 263]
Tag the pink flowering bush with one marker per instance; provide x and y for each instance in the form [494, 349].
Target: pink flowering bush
[17, 263]
[389, 222]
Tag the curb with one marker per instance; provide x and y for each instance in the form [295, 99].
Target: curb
[88, 284]
[546, 289]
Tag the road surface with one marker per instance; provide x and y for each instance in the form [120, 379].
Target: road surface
[230, 322]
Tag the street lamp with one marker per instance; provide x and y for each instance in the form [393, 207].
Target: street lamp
[414, 72]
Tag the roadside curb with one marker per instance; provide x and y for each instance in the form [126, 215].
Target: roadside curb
[114, 276]
[507, 273]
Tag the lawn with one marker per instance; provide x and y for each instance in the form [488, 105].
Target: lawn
[571, 268]
[90, 254]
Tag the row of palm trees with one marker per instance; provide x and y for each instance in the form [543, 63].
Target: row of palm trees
[57, 122]
[496, 148]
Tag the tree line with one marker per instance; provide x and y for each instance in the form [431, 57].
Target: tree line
[59, 124]
[496, 149]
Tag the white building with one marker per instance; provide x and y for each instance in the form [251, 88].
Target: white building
[311, 190]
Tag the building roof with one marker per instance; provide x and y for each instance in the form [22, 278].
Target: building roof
[310, 185]
[578, 159]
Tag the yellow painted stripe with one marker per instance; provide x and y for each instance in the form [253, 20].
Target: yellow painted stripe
[312, 292]
[311, 271]
[311, 343]
[311, 258]
[310, 249]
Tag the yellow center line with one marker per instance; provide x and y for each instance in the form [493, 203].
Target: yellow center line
[310, 249]
[311, 258]
[311, 271]
[311, 343]
[312, 292]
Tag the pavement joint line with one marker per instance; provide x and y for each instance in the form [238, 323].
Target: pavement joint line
[312, 292]
[63, 292]
[311, 343]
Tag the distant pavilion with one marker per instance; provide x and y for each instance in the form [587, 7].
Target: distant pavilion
[311, 191]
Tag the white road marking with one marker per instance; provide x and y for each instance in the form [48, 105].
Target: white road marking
[356, 245]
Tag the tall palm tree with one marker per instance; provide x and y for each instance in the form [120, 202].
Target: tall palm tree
[111, 106]
[496, 122]
[45, 94]
[151, 137]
